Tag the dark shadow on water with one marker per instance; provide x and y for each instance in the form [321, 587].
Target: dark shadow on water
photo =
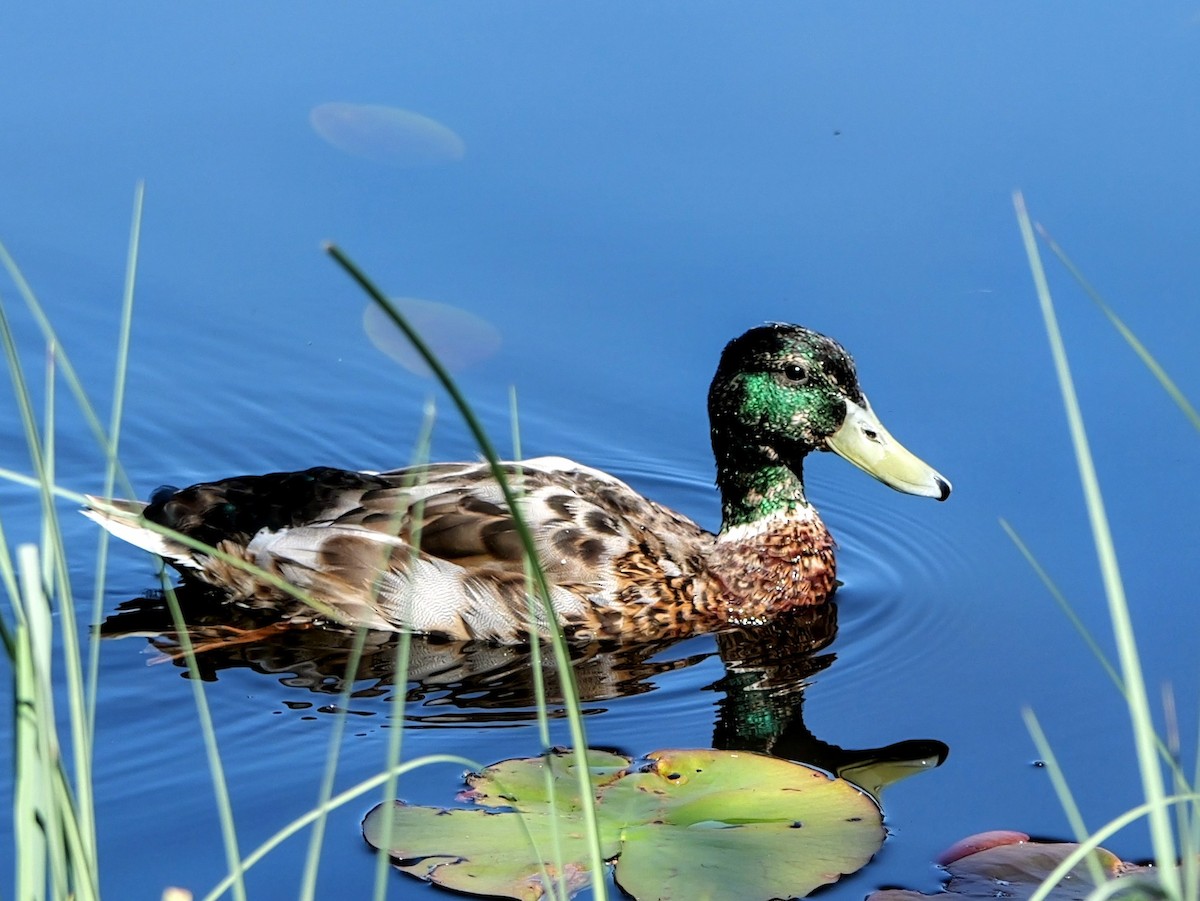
[767, 669]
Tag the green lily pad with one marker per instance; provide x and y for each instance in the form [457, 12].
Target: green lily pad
[687, 825]
[1010, 865]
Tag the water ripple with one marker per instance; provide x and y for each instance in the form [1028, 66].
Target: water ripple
[898, 561]
[898, 570]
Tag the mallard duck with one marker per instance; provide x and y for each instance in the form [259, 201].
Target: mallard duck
[434, 549]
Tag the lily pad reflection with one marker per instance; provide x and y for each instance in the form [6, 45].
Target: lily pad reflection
[689, 824]
[458, 338]
[386, 134]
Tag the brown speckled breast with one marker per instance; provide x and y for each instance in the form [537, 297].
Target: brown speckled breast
[752, 580]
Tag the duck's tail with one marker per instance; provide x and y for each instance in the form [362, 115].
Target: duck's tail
[124, 519]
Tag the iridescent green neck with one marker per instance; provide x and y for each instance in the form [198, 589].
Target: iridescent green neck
[752, 493]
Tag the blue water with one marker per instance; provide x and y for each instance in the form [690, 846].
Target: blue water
[640, 183]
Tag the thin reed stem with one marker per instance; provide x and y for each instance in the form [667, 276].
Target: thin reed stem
[208, 732]
[558, 643]
[1114, 589]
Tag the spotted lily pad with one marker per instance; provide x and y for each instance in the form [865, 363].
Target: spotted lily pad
[1010, 865]
[686, 825]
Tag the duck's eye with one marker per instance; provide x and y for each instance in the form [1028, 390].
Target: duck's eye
[795, 373]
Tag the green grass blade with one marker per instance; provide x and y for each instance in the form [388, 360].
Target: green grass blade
[267, 578]
[208, 733]
[338, 800]
[1184, 814]
[312, 863]
[1103, 834]
[562, 657]
[1111, 671]
[56, 491]
[9, 578]
[50, 845]
[8, 575]
[535, 647]
[395, 747]
[1065, 606]
[67, 368]
[24, 403]
[28, 773]
[112, 463]
[400, 667]
[56, 574]
[48, 419]
[1189, 844]
[34, 578]
[41, 630]
[1058, 779]
[556, 887]
[84, 875]
[1144, 734]
[1125, 332]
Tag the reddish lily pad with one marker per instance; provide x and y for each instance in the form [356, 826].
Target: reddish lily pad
[980, 841]
[1009, 865]
[688, 824]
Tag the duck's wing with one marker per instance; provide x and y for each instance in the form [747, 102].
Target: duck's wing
[610, 556]
[435, 549]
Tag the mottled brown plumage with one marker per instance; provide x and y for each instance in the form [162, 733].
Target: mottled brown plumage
[435, 549]
[788, 564]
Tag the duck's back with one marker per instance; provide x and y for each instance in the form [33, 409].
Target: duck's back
[434, 548]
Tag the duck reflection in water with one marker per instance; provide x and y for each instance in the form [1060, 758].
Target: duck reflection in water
[767, 669]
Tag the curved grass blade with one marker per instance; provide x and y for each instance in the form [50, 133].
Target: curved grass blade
[64, 361]
[338, 800]
[312, 861]
[208, 731]
[1065, 798]
[112, 463]
[55, 574]
[1125, 332]
[401, 664]
[566, 673]
[1145, 737]
[1103, 834]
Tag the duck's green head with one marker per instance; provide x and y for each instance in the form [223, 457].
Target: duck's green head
[781, 391]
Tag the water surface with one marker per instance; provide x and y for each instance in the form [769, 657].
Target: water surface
[642, 184]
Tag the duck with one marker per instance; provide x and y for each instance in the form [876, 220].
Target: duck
[434, 548]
